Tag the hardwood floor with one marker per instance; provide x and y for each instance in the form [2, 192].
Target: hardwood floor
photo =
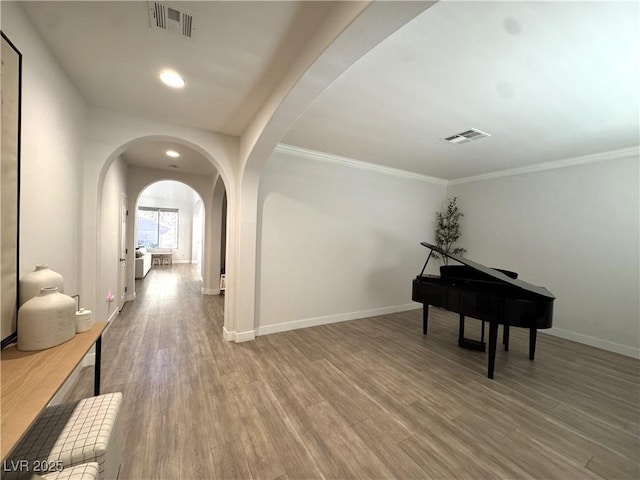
[369, 398]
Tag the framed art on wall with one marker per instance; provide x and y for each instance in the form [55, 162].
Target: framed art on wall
[11, 79]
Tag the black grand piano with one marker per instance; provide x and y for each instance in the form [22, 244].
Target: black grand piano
[488, 294]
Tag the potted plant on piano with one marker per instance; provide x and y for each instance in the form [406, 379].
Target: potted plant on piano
[448, 230]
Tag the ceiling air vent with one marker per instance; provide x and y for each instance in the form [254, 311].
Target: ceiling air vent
[466, 136]
[167, 17]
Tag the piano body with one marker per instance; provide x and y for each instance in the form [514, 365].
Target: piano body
[488, 294]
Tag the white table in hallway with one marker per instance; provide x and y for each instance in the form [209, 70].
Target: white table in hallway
[161, 257]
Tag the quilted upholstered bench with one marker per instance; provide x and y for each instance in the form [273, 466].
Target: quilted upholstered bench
[73, 434]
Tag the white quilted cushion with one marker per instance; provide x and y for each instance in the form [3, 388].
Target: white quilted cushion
[73, 434]
[86, 471]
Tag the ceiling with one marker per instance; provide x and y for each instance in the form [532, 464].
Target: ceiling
[154, 155]
[238, 53]
[547, 80]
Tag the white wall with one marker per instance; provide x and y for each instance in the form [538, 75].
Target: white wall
[197, 236]
[109, 134]
[115, 185]
[348, 31]
[171, 194]
[54, 116]
[573, 230]
[213, 236]
[338, 242]
[53, 119]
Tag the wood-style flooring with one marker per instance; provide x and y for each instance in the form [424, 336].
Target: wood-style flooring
[369, 398]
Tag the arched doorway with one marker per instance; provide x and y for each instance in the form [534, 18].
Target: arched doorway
[169, 224]
[128, 174]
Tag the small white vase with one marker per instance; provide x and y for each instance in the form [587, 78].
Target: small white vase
[33, 282]
[46, 320]
[84, 320]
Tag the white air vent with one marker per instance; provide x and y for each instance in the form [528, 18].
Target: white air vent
[167, 17]
[466, 136]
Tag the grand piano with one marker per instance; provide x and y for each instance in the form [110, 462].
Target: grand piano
[487, 294]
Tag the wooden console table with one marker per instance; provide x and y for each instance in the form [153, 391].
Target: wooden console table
[29, 380]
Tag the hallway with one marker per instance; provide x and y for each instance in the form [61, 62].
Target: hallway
[165, 352]
[369, 398]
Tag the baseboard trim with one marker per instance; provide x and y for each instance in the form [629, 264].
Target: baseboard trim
[594, 342]
[245, 336]
[113, 315]
[210, 291]
[342, 317]
[88, 361]
[229, 336]
[238, 337]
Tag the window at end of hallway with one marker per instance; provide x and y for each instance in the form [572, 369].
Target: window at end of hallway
[157, 227]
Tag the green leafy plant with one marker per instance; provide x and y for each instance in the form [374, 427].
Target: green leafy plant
[448, 230]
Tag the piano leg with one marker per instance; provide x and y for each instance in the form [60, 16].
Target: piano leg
[425, 318]
[532, 342]
[461, 331]
[493, 339]
[505, 337]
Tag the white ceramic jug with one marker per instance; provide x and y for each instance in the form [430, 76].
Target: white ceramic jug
[46, 320]
[41, 277]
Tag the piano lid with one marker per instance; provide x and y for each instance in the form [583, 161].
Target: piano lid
[494, 273]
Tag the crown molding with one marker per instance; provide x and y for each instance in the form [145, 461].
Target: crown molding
[543, 167]
[330, 158]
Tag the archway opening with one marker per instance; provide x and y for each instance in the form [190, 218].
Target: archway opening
[169, 227]
[127, 172]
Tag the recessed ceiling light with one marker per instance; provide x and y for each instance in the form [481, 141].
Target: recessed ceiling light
[172, 154]
[172, 79]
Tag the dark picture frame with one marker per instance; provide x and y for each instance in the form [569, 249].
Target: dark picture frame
[10, 196]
